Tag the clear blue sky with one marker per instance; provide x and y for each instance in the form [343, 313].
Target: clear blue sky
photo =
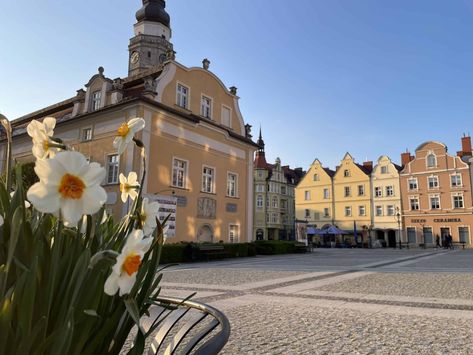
[321, 77]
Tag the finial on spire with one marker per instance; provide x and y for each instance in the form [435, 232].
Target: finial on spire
[260, 141]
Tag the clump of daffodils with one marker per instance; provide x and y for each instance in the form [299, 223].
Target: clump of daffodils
[74, 282]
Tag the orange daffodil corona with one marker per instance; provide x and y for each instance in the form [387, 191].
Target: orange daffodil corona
[124, 271]
[69, 184]
[126, 132]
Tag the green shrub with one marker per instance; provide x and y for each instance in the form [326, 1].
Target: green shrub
[174, 253]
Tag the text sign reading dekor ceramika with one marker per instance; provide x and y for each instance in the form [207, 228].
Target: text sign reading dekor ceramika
[167, 207]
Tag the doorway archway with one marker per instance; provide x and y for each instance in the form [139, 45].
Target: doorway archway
[205, 234]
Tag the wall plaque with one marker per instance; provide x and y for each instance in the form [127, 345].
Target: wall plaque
[181, 201]
[206, 207]
[232, 207]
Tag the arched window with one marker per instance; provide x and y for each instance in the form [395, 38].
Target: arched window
[431, 160]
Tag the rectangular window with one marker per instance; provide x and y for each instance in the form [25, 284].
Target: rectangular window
[179, 173]
[390, 210]
[96, 100]
[259, 188]
[208, 179]
[182, 95]
[428, 236]
[275, 202]
[307, 213]
[232, 185]
[458, 201]
[464, 234]
[389, 191]
[361, 211]
[378, 191]
[283, 190]
[326, 212]
[259, 201]
[434, 202]
[233, 233]
[433, 182]
[384, 170]
[347, 211]
[456, 180]
[226, 116]
[411, 235]
[316, 216]
[307, 195]
[361, 190]
[274, 218]
[316, 177]
[283, 204]
[326, 194]
[379, 210]
[414, 203]
[86, 134]
[412, 183]
[206, 107]
[347, 191]
[346, 173]
[113, 162]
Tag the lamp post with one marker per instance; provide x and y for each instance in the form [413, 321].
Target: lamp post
[398, 218]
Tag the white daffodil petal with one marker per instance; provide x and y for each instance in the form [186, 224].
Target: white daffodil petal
[125, 283]
[44, 198]
[94, 174]
[124, 196]
[136, 124]
[1, 220]
[71, 161]
[122, 178]
[49, 170]
[133, 193]
[72, 210]
[111, 285]
[94, 197]
[132, 178]
[49, 125]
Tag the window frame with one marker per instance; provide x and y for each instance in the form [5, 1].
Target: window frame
[230, 238]
[230, 117]
[204, 97]
[83, 130]
[117, 180]
[451, 180]
[409, 188]
[457, 194]
[348, 211]
[431, 154]
[436, 196]
[362, 191]
[180, 95]
[410, 203]
[213, 177]
[96, 102]
[435, 182]
[361, 210]
[236, 194]
[185, 173]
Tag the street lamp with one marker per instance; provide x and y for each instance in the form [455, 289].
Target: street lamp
[398, 218]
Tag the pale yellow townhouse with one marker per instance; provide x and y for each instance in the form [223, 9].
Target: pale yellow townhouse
[352, 194]
[386, 202]
[314, 196]
[199, 149]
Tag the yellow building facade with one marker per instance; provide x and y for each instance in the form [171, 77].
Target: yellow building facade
[314, 196]
[352, 193]
[199, 149]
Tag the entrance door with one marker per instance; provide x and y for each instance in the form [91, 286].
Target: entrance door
[392, 239]
[205, 234]
[444, 231]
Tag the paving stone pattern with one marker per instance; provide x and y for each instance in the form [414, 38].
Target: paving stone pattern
[380, 301]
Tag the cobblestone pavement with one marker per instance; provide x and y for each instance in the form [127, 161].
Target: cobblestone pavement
[339, 301]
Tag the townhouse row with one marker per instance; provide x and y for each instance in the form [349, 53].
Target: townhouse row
[429, 195]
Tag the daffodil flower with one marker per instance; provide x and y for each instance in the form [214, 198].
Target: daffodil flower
[69, 184]
[41, 133]
[126, 132]
[129, 186]
[149, 212]
[124, 271]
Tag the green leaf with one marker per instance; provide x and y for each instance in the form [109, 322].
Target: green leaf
[133, 311]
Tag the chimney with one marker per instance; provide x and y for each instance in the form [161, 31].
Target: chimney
[368, 164]
[466, 144]
[406, 158]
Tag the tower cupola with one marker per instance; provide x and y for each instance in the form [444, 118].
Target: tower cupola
[154, 10]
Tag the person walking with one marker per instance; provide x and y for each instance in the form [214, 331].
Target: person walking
[450, 241]
[437, 241]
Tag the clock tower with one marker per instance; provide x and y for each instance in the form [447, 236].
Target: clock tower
[151, 44]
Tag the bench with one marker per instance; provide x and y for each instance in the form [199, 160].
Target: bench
[458, 243]
[301, 248]
[209, 251]
[183, 327]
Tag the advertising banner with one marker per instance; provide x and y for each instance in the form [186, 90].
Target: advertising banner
[167, 207]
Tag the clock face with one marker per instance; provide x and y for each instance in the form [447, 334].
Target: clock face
[135, 56]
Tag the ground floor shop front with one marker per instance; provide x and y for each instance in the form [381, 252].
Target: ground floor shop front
[430, 230]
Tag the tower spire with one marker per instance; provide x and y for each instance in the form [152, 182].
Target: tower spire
[260, 141]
